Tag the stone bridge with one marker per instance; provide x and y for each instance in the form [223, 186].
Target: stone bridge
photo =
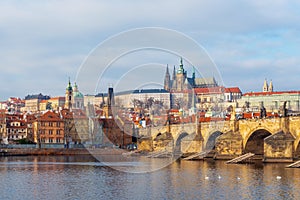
[275, 139]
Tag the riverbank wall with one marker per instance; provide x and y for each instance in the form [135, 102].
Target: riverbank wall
[64, 151]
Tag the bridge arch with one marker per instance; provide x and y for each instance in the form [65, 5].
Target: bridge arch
[211, 141]
[177, 144]
[255, 141]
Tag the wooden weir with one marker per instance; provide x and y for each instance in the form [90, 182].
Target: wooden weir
[196, 155]
[294, 165]
[159, 154]
[240, 158]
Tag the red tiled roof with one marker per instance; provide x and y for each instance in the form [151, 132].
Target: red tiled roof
[217, 90]
[66, 114]
[75, 113]
[233, 90]
[210, 90]
[30, 118]
[13, 116]
[270, 93]
[50, 116]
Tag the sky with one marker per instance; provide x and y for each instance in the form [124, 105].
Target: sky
[44, 43]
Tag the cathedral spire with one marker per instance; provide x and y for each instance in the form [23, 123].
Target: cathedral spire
[271, 86]
[265, 87]
[174, 74]
[167, 72]
[167, 82]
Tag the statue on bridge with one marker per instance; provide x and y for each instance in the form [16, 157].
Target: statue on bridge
[263, 112]
[283, 110]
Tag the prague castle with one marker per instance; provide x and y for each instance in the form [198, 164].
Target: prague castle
[180, 81]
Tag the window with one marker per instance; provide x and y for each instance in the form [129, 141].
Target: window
[57, 132]
[50, 132]
[50, 124]
[50, 140]
[57, 140]
[58, 124]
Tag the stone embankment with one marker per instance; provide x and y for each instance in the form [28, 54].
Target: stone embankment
[45, 152]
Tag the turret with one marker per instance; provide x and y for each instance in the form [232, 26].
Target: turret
[265, 87]
[271, 86]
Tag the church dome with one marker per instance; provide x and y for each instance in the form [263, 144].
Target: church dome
[76, 93]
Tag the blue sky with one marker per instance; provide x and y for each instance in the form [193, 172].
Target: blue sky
[45, 42]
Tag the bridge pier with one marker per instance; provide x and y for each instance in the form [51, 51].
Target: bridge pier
[279, 147]
[191, 144]
[145, 144]
[229, 145]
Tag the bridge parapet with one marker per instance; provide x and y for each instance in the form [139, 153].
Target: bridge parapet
[152, 131]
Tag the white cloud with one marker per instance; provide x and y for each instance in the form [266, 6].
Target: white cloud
[53, 37]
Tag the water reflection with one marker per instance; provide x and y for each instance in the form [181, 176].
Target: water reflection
[82, 177]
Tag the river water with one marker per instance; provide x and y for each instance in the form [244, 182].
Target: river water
[83, 177]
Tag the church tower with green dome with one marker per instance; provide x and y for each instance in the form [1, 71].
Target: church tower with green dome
[69, 96]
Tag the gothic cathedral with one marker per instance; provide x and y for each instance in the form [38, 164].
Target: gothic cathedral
[180, 81]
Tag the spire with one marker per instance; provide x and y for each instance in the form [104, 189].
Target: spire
[271, 86]
[174, 74]
[167, 72]
[167, 80]
[69, 87]
[180, 70]
[265, 87]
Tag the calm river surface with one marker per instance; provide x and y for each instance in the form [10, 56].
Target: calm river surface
[82, 177]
